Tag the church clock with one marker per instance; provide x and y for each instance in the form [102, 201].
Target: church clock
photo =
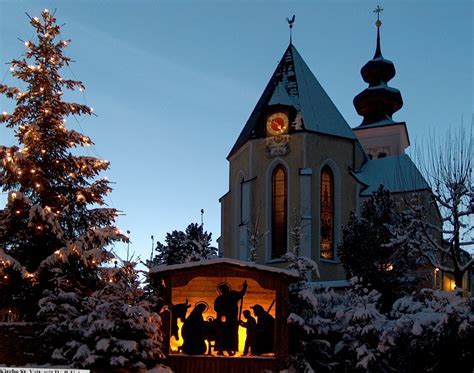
[277, 124]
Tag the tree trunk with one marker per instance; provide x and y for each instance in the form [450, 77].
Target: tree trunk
[458, 275]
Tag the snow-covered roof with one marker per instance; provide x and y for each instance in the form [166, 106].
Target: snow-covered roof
[396, 173]
[217, 261]
[305, 93]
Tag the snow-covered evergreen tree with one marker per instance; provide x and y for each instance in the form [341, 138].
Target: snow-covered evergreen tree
[180, 247]
[114, 327]
[369, 252]
[55, 226]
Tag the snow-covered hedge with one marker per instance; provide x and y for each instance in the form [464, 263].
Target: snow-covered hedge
[426, 331]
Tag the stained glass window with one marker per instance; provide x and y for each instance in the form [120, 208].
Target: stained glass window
[327, 214]
[279, 212]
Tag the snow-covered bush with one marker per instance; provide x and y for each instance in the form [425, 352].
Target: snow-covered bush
[430, 331]
[346, 332]
[114, 327]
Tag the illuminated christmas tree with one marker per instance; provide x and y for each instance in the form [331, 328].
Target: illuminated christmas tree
[55, 226]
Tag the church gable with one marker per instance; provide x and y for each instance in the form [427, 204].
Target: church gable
[293, 85]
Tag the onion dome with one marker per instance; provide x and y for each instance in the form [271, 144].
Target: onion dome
[378, 101]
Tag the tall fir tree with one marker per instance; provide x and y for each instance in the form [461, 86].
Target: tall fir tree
[55, 225]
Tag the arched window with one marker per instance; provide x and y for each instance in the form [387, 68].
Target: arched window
[279, 212]
[327, 214]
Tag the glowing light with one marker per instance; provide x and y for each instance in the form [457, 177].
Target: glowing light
[17, 212]
[37, 185]
[5, 277]
[390, 267]
[436, 269]
[27, 43]
[57, 252]
[32, 171]
[39, 227]
[13, 195]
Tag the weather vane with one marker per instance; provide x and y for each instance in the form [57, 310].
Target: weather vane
[378, 10]
[290, 23]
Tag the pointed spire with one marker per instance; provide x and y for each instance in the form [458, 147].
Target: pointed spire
[378, 23]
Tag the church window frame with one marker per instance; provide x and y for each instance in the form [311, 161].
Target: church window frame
[327, 214]
[279, 200]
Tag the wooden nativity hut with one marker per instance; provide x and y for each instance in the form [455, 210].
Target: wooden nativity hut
[225, 315]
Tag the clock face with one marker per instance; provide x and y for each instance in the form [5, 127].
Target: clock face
[277, 124]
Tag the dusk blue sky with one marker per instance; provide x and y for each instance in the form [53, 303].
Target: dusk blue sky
[173, 83]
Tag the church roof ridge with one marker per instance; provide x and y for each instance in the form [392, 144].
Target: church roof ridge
[306, 94]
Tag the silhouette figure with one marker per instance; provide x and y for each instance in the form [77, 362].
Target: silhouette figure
[212, 333]
[264, 331]
[193, 331]
[251, 326]
[226, 307]
[178, 312]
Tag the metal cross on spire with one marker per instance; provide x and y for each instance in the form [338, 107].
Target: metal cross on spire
[378, 10]
[290, 23]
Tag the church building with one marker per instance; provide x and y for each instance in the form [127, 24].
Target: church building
[298, 162]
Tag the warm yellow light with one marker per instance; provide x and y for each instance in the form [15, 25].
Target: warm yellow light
[27, 44]
[57, 252]
[39, 227]
[17, 212]
[37, 185]
[436, 269]
[32, 171]
[13, 195]
[5, 277]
